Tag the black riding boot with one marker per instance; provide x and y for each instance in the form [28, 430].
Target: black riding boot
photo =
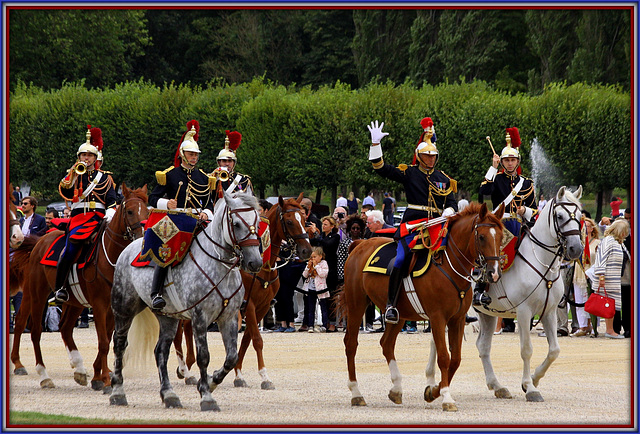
[157, 288]
[62, 271]
[480, 297]
[395, 280]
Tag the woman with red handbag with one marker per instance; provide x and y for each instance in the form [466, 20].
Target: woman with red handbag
[580, 286]
[607, 268]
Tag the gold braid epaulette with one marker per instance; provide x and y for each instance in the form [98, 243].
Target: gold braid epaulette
[452, 182]
[161, 176]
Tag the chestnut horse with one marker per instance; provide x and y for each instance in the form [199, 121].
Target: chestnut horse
[95, 280]
[442, 294]
[286, 222]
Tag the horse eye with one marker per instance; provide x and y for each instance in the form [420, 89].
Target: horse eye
[481, 238]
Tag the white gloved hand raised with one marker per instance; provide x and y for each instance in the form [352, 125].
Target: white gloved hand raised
[108, 215]
[376, 132]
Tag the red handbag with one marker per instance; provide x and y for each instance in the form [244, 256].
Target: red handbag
[600, 305]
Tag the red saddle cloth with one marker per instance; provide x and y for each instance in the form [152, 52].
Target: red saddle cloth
[50, 258]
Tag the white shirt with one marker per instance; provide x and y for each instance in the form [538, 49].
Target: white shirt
[342, 201]
[25, 226]
[369, 201]
[462, 204]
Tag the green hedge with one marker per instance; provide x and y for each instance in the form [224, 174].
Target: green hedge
[302, 138]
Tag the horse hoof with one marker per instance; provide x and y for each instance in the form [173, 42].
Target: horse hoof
[179, 373]
[267, 385]
[80, 378]
[449, 406]
[209, 406]
[191, 381]
[358, 401]
[107, 390]
[20, 371]
[503, 393]
[172, 402]
[534, 397]
[47, 383]
[395, 397]
[428, 394]
[118, 400]
[97, 384]
[239, 382]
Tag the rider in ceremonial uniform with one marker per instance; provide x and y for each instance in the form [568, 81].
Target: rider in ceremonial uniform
[182, 187]
[93, 198]
[509, 187]
[430, 193]
[225, 175]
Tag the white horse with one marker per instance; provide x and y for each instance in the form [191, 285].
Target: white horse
[206, 287]
[532, 286]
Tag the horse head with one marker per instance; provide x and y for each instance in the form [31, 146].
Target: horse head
[292, 223]
[565, 211]
[240, 228]
[127, 221]
[16, 237]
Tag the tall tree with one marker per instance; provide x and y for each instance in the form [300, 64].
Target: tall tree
[603, 54]
[380, 44]
[49, 47]
[424, 64]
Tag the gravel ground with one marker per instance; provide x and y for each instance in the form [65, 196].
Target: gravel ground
[589, 384]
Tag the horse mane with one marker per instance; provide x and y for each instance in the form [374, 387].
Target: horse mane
[571, 197]
[246, 198]
[20, 257]
[472, 209]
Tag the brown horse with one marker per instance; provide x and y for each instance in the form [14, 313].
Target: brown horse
[95, 281]
[286, 222]
[442, 294]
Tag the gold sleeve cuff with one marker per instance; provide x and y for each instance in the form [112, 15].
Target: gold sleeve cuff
[379, 164]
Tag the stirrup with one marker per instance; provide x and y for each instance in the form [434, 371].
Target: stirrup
[62, 295]
[480, 299]
[158, 302]
[391, 315]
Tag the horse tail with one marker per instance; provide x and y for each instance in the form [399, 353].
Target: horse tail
[142, 338]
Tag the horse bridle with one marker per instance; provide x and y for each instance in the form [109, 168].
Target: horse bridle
[291, 239]
[130, 229]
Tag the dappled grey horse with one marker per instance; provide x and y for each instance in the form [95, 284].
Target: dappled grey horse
[531, 286]
[206, 286]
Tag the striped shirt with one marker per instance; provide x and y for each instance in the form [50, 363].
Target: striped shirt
[608, 262]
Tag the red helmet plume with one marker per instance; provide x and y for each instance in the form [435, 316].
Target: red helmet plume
[234, 139]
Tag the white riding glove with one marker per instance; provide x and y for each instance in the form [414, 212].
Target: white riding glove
[108, 215]
[448, 212]
[375, 151]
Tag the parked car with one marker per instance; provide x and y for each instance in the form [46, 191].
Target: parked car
[58, 206]
[397, 217]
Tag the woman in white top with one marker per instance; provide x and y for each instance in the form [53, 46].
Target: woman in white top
[592, 235]
[607, 267]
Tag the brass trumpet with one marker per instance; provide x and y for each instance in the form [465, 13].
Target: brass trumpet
[80, 167]
[221, 174]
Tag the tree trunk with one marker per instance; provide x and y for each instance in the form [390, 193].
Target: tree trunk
[318, 196]
[334, 197]
[599, 206]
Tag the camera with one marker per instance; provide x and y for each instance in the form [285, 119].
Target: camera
[341, 215]
[307, 224]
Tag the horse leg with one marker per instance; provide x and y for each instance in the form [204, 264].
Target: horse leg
[67, 323]
[101, 380]
[438, 331]
[229, 332]
[430, 372]
[122, 325]
[388, 343]
[239, 381]
[168, 328]
[18, 328]
[530, 383]
[183, 364]
[483, 344]
[456, 333]
[37, 309]
[356, 305]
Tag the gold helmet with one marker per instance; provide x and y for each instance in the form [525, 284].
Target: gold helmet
[93, 144]
[513, 143]
[427, 140]
[189, 142]
[231, 144]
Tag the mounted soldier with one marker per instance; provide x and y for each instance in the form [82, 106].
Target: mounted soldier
[516, 192]
[92, 194]
[227, 179]
[181, 200]
[430, 193]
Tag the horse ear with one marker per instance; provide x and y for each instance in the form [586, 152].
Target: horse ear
[578, 192]
[483, 211]
[560, 193]
[500, 211]
[281, 201]
[300, 197]
[125, 190]
[144, 189]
